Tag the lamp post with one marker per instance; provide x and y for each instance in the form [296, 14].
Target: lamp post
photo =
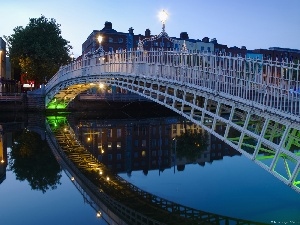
[163, 16]
[72, 56]
[100, 38]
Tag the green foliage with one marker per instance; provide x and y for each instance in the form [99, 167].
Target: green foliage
[190, 145]
[38, 49]
[31, 159]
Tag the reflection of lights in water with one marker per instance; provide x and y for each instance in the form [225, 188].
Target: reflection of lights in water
[99, 214]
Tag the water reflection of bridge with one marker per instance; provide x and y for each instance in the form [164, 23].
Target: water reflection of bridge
[115, 196]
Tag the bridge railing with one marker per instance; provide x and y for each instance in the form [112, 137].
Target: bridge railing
[273, 85]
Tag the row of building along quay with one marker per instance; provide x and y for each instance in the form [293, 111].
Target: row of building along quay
[113, 40]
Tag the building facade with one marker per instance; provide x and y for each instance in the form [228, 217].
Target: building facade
[2, 58]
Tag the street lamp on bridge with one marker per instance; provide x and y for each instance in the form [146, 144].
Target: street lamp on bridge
[163, 16]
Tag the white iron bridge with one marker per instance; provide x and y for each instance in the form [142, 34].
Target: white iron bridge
[251, 104]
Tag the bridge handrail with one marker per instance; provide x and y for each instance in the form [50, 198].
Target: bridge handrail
[263, 82]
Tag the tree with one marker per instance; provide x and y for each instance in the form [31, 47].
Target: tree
[190, 145]
[38, 49]
[32, 160]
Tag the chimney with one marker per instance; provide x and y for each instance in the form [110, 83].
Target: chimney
[147, 33]
[205, 39]
[184, 36]
[130, 30]
[107, 25]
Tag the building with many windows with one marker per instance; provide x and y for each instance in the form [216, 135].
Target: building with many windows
[113, 40]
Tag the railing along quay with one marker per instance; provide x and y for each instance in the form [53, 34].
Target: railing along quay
[130, 203]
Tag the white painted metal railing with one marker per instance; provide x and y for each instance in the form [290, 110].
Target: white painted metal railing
[269, 85]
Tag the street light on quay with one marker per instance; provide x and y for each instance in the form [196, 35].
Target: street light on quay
[100, 39]
[72, 56]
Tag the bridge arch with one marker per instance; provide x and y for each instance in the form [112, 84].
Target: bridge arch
[228, 103]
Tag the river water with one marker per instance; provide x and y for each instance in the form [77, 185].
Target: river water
[221, 180]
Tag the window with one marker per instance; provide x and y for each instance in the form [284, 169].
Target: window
[109, 145]
[120, 40]
[136, 143]
[202, 48]
[111, 49]
[166, 141]
[144, 131]
[161, 44]
[168, 45]
[110, 40]
[154, 143]
[109, 132]
[118, 145]
[136, 155]
[155, 43]
[208, 49]
[119, 133]
[119, 156]
[109, 157]
[154, 130]
[154, 153]
[143, 143]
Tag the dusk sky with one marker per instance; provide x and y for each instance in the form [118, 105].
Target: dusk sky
[252, 23]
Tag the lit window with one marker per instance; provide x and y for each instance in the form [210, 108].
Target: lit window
[109, 145]
[118, 145]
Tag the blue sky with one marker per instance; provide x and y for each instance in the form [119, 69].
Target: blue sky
[253, 23]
